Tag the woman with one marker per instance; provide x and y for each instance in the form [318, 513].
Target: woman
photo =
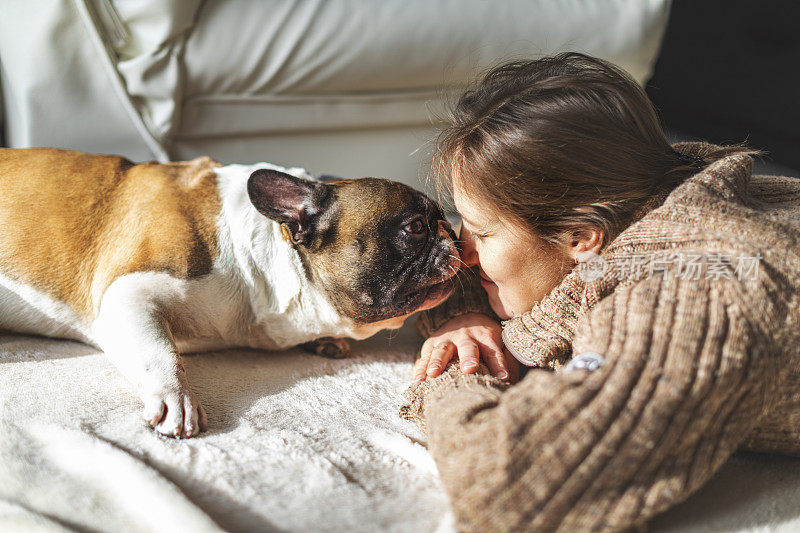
[652, 287]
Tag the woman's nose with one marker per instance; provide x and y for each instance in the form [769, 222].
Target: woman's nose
[469, 255]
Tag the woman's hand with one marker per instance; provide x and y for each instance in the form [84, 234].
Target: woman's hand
[471, 337]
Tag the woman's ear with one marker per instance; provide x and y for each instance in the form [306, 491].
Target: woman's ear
[586, 241]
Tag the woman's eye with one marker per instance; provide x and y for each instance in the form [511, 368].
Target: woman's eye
[415, 228]
[478, 236]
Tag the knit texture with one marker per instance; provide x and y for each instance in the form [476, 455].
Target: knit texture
[693, 368]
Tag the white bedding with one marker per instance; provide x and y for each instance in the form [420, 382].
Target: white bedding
[295, 443]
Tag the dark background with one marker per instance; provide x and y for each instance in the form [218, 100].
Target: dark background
[730, 72]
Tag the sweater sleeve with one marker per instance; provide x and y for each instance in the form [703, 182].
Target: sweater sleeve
[683, 378]
[468, 297]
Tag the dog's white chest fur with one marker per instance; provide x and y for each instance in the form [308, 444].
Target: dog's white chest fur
[273, 303]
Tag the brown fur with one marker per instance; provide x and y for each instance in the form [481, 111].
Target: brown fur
[369, 202]
[71, 223]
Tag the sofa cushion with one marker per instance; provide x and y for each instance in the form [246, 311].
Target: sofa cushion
[270, 66]
[335, 46]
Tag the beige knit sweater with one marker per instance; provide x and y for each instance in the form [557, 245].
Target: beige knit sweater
[695, 362]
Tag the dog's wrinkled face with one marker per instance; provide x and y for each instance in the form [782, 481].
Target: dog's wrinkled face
[379, 249]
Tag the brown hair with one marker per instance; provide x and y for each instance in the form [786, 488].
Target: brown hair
[562, 143]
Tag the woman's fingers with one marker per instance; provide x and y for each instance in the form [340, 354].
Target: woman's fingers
[421, 366]
[471, 347]
[468, 355]
[495, 360]
[423, 358]
[440, 355]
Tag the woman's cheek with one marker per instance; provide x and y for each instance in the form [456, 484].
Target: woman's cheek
[490, 259]
[500, 302]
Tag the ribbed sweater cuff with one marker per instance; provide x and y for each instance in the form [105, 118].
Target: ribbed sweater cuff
[421, 393]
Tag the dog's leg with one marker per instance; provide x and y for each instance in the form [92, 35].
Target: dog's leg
[328, 347]
[132, 330]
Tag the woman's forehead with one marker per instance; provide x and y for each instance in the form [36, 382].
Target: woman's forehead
[472, 208]
[479, 213]
[467, 206]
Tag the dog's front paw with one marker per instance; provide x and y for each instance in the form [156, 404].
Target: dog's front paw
[174, 413]
[328, 347]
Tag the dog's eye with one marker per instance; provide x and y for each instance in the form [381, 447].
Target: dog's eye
[415, 227]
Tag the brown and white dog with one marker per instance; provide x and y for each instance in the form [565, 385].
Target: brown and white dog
[146, 261]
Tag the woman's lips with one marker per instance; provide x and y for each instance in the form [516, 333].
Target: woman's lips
[485, 280]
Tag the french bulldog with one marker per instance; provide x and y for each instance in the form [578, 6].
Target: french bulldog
[148, 261]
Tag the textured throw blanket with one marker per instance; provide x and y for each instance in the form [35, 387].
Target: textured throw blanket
[295, 443]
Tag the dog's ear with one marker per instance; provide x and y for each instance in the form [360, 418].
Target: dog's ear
[292, 201]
